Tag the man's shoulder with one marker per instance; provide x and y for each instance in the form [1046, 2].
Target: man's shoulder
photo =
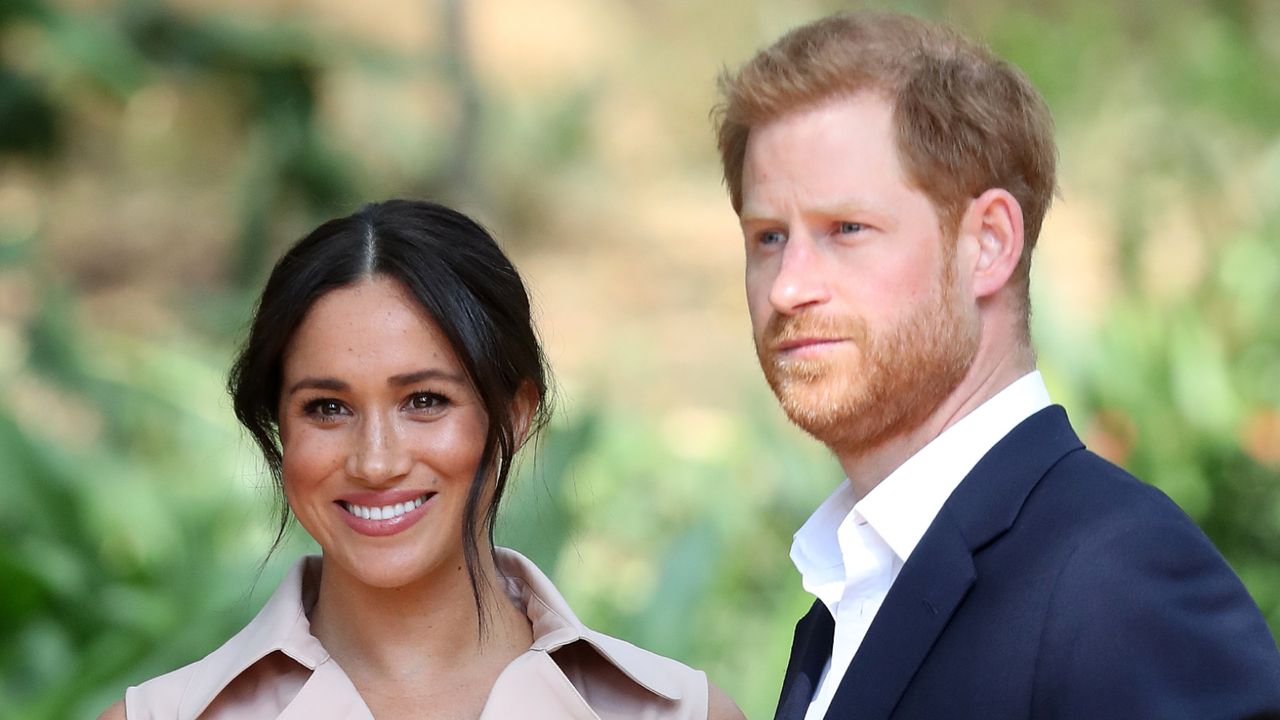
[1086, 488]
[1087, 513]
[1041, 480]
[1132, 596]
[1137, 584]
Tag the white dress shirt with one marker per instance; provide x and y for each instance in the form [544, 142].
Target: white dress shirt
[850, 551]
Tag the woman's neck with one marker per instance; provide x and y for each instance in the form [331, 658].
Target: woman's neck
[425, 629]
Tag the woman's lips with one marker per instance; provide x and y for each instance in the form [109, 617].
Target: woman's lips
[386, 513]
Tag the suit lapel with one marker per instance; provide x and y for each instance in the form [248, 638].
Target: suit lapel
[938, 575]
[809, 652]
[914, 613]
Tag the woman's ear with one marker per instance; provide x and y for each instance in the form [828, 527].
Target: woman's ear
[994, 223]
[523, 407]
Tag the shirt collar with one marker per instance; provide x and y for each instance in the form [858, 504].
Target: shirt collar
[815, 548]
[904, 504]
[901, 508]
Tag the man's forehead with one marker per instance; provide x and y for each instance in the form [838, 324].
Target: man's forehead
[835, 110]
[834, 155]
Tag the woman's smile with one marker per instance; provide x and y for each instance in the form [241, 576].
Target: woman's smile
[389, 519]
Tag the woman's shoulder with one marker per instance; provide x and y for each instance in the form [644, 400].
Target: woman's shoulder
[115, 712]
[686, 690]
[161, 696]
[672, 679]
[275, 647]
[660, 674]
[614, 677]
[722, 707]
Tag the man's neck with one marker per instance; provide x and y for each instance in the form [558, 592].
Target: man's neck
[868, 468]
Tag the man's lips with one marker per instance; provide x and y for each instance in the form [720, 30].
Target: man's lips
[805, 343]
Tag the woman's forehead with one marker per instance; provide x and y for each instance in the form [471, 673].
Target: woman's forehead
[373, 323]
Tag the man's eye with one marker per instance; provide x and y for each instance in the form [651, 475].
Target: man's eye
[771, 237]
[848, 228]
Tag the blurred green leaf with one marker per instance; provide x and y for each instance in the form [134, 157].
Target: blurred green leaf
[29, 121]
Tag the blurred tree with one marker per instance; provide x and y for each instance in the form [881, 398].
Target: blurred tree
[133, 507]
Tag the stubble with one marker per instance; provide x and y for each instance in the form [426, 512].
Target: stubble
[885, 384]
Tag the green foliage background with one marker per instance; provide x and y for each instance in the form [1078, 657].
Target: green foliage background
[154, 158]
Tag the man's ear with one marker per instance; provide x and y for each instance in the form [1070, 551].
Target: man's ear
[993, 222]
[523, 407]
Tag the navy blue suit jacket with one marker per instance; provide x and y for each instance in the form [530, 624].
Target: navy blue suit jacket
[1052, 584]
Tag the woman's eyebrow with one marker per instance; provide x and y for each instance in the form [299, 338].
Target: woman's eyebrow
[421, 375]
[336, 385]
[319, 384]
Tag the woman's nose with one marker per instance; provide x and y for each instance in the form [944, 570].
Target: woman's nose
[380, 454]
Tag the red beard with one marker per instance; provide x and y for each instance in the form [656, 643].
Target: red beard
[874, 386]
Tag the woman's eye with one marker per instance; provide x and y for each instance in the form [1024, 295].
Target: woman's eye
[848, 228]
[324, 408]
[428, 401]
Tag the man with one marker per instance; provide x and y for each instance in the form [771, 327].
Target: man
[891, 178]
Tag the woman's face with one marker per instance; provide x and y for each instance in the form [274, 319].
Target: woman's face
[382, 434]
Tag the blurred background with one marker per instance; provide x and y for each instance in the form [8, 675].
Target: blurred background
[155, 157]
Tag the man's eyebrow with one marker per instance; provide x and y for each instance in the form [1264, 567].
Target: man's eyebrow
[752, 217]
[427, 374]
[321, 383]
[837, 209]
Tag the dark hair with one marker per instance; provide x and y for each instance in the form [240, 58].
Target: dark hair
[460, 277]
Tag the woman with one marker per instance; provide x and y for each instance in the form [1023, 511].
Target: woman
[390, 376]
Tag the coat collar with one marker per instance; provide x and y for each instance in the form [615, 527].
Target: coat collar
[937, 577]
[282, 625]
[555, 626]
[810, 650]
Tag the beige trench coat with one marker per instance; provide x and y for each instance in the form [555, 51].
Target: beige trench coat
[275, 668]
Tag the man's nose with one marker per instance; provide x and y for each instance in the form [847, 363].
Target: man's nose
[800, 282]
[380, 454]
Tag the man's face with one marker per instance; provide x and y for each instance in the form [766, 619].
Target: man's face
[862, 322]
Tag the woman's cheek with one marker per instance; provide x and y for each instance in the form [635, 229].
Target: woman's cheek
[309, 457]
[462, 443]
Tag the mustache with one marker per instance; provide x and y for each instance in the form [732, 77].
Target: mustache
[786, 328]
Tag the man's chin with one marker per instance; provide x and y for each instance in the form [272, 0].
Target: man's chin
[814, 380]
[849, 431]
[819, 410]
